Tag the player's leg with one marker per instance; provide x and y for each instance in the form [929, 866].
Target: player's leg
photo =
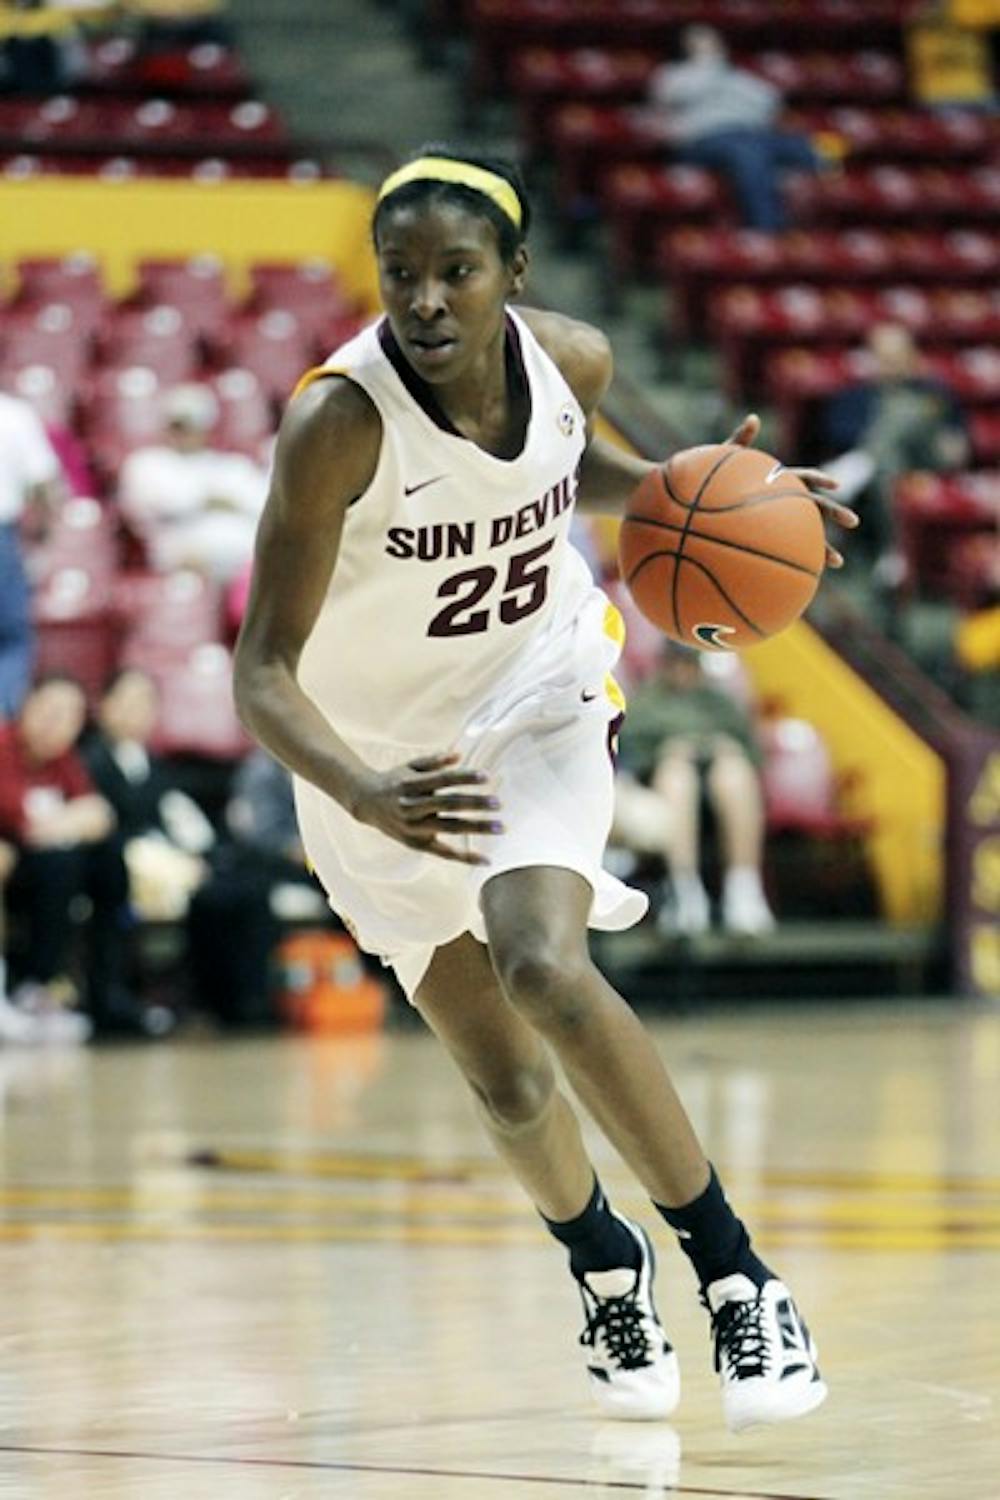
[536, 923]
[734, 790]
[677, 782]
[633, 1370]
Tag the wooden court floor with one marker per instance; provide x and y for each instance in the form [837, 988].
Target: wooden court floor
[277, 1270]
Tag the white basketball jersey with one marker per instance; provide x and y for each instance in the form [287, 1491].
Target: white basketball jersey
[455, 569]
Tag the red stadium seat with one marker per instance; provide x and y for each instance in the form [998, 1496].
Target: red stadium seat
[82, 536]
[905, 134]
[44, 387]
[541, 77]
[158, 338]
[75, 279]
[53, 333]
[639, 200]
[120, 412]
[274, 345]
[864, 77]
[197, 714]
[197, 287]
[747, 321]
[939, 516]
[984, 430]
[925, 195]
[584, 139]
[501, 27]
[310, 288]
[698, 260]
[246, 419]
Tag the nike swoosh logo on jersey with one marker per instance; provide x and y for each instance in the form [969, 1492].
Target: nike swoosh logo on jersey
[411, 489]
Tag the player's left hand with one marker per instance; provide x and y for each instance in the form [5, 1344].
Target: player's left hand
[746, 434]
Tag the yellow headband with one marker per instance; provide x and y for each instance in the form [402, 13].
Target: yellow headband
[444, 169]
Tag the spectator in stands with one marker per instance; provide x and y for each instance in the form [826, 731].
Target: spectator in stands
[67, 846]
[30, 475]
[722, 117]
[193, 506]
[259, 879]
[898, 421]
[166, 836]
[40, 53]
[685, 739]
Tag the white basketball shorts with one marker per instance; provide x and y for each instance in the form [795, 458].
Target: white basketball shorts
[544, 745]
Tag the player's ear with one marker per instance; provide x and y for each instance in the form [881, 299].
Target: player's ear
[518, 270]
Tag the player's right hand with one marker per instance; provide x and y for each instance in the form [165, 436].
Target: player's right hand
[418, 803]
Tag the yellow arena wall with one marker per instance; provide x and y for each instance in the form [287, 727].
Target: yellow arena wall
[124, 222]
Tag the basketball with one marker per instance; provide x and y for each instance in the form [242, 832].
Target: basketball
[721, 547]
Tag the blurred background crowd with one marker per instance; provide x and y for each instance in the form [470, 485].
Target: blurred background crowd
[789, 209]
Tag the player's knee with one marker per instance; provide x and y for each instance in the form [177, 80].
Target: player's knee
[517, 1098]
[547, 986]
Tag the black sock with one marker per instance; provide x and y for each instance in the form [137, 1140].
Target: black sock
[713, 1238]
[596, 1240]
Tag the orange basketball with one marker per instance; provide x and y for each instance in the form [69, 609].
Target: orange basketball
[721, 547]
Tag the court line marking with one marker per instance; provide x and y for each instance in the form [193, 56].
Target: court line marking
[344, 1467]
[800, 1237]
[361, 1164]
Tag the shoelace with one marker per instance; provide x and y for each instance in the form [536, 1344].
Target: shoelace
[620, 1321]
[741, 1339]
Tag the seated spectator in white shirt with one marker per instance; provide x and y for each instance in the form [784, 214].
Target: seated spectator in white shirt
[192, 505]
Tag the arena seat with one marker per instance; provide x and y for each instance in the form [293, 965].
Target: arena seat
[696, 261]
[74, 279]
[118, 65]
[54, 333]
[196, 286]
[541, 77]
[799, 379]
[310, 289]
[747, 321]
[639, 200]
[924, 196]
[46, 388]
[890, 135]
[164, 616]
[499, 28]
[984, 430]
[197, 714]
[939, 515]
[119, 412]
[246, 417]
[274, 345]
[158, 338]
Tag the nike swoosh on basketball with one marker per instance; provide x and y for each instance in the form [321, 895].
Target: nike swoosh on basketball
[773, 472]
[411, 489]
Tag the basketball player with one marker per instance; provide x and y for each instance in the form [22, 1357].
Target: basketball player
[429, 656]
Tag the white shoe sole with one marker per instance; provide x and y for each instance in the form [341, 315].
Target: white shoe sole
[784, 1408]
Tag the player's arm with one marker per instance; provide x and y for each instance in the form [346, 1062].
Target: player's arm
[608, 475]
[326, 455]
[326, 458]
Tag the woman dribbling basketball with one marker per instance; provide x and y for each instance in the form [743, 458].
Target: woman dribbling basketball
[428, 654]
